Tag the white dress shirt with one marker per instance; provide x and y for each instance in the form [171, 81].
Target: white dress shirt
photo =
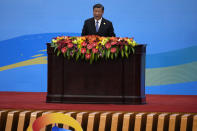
[99, 22]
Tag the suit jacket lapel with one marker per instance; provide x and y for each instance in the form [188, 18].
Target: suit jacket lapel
[93, 25]
[102, 25]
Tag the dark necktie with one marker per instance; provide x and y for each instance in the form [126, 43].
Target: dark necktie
[97, 26]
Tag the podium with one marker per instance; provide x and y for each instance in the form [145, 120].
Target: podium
[118, 81]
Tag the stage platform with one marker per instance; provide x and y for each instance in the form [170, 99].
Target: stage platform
[154, 103]
[161, 113]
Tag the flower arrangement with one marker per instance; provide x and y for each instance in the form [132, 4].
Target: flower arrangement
[93, 47]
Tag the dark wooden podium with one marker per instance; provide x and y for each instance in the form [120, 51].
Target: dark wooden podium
[119, 81]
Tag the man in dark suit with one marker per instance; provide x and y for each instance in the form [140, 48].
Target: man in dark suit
[98, 25]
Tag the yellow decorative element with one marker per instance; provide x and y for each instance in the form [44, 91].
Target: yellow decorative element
[35, 61]
[172, 74]
[38, 55]
[43, 50]
[53, 118]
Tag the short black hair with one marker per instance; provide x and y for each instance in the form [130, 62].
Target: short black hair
[98, 6]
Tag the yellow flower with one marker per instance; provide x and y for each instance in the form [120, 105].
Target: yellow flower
[57, 38]
[79, 46]
[62, 37]
[79, 40]
[129, 41]
[83, 38]
[54, 40]
[74, 42]
[134, 43]
[104, 41]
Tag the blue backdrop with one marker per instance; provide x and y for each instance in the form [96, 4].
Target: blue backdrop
[169, 28]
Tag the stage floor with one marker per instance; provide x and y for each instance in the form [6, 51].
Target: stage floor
[155, 103]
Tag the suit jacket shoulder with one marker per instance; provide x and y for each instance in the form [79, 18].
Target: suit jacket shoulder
[88, 21]
[106, 21]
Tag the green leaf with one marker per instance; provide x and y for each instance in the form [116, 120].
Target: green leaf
[129, 51]
[96, 57]
[73, 54]
[122, 53]
[126, 48]
[58, 53]
[52, 44]
[112, 56]
[133, 50]
[108, 53]
[55, 49]
[117, 50]
[83, 56]
[77, 56]
[116, 55]
[103, 53]
[126, 54]
[91, 60]
[92, 56]
[68, 53]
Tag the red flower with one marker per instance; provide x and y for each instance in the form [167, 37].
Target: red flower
[113, 50]
[70, 45]
[69, 41]
[83, 43]
[113, 43]
[59, 47]
[64, 50]
[83, 50]
[94, 50]
[89, 46]
[94, 44]
[108, 45]
[88, 55]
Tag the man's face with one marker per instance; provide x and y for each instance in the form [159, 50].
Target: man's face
[97, 12]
